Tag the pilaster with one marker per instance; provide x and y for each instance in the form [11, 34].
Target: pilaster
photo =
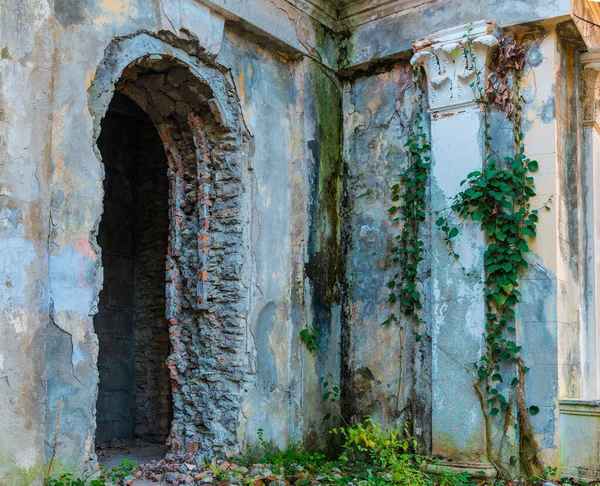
[458, 306]
[590, 89]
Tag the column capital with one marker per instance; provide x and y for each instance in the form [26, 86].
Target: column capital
[450, 72]
[590, 86]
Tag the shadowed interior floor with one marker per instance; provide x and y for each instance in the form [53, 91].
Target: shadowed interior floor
[140, 454]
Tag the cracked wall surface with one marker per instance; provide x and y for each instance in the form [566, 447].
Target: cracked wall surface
[246, 360]
[387, 371]
[280, 153]
[25, 145]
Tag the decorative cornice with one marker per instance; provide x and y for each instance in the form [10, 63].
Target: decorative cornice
[451, 74]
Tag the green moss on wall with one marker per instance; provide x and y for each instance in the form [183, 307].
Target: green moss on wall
[325, 264]
[13, 476]
[346, 48]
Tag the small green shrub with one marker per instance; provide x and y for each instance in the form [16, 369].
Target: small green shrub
[388, 452]
[310, 336]
[67, 479]
[370, 456]
[117, 474]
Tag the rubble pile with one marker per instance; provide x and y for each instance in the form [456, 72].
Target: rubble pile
[190, 469]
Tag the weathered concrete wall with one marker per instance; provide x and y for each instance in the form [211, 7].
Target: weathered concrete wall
[26, 58]
[267, 256]
[285, 192]
[387, 369]
[293, 204]
[548, 317]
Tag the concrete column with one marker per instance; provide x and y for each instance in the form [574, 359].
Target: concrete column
[591, 206]
[458, 307]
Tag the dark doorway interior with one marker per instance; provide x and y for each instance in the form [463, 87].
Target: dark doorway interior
[134, 395]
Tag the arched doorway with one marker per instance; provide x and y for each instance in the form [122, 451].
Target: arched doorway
[134, 396]
[203, 301]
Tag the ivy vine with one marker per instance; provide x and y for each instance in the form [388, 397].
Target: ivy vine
[409, 211]
[497, 197]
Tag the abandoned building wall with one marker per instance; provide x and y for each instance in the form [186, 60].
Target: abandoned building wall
[548, 316]
[25, 144]
[377, 111]
[387, 371]
[290, 226]
[261, 255]
[282, 145]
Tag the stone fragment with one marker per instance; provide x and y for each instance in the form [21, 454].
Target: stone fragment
[177, 76]
[172, 478]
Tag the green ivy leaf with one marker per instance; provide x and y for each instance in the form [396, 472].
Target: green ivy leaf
[500, 299]
[477, 215]
[533, 410]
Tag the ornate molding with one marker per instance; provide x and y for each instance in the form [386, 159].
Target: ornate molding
[590, 86]
[450, 72]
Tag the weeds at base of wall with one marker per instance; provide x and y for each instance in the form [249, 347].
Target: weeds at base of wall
[116, 475]
[370, 456]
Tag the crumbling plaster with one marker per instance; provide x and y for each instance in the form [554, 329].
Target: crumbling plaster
[261, 96]
[25, 127]
[386, 370]
[272, 68]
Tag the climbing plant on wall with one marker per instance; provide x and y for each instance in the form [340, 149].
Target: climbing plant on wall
[408, 211]
[499, 198]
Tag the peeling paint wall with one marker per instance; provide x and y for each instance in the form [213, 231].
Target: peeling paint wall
[248, 359]
[386, 371]
[279, 173]
[285, 195]
[25, 144]
[381, 380]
